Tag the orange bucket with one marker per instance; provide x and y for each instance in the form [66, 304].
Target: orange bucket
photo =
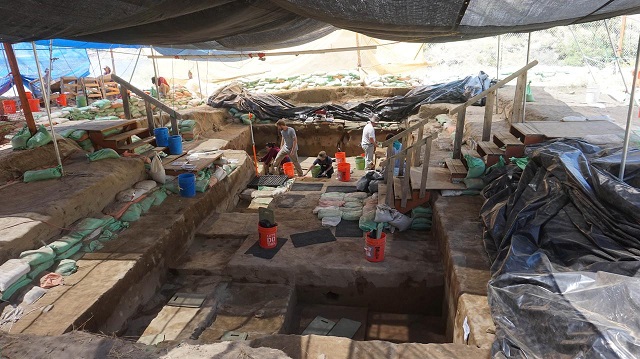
[288, 169]
[344, 172]
[374, 248]
[341, 157]
[29, 95]
[34, 105]
[62, 100]
[268, 237]
[9, 106]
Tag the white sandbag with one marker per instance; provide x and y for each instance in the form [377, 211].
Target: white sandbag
[246, 194]
[146, 185]
[329, 212]
[318, 208]
[358, 195]
[130, 195]
[11, 271]
[263, 193]
[157, 170]
[400, 221]
[220, 174]
[330, 221]
[384, 213]
[351, 214]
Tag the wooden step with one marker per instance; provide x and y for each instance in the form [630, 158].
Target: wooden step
[457, 169]
[526, 133]
[136, 144]
[490, 152]
[153, 151]
[512, 146]
[126, 135]
[397, 188]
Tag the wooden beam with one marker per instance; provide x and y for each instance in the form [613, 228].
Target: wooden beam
[149, 111]
[425, 168]
[518, 99]
[457, 143]
[173, 114]
[24, 102]
[488, 117]
[499, 84]
[406, 181]
[416, 159]
[125, 102]
[389, 177]
[402, 134]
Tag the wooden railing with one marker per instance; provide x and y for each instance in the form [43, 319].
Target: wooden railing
[406, 155]
[491, 93]
[148, 101]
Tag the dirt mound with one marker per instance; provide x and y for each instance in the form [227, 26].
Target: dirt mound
[339, 94]
[14, 163]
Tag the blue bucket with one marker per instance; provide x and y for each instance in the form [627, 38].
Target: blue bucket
[187, 184]
[162, 136]
[175, 145]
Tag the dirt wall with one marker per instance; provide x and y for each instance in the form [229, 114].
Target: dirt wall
[339, 94]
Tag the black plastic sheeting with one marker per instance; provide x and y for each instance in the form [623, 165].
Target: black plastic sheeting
[267, 106]
[563, 237]
[238, 24]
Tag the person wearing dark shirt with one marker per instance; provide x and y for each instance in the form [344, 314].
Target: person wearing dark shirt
[326, 165]
[272, 152]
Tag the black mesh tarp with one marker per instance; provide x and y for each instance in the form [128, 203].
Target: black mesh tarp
[564, 240]
[242, 24]
[266, 106]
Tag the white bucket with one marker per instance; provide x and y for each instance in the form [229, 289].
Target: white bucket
[592, 95]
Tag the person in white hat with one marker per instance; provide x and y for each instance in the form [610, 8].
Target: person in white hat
[369, 142]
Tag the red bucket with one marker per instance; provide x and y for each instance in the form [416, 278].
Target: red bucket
[9, 106]
[374, 248]
[288, 169]
[341, 157]
[268, 237]
[34, 105]
[344, 172]
[29, 95]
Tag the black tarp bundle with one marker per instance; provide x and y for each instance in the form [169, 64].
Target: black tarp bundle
[267, 106]
[563, 237]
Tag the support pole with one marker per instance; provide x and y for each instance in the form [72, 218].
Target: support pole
[50, 79]
[498, 72]
[113, 62]
[17, 80]
[155, 73]
[627, 133]
[199, 84]
[135, 65]
[47, 106]
[524, 97]
[615, 55]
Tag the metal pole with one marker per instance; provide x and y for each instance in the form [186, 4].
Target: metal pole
[50, 69]
[113, 62]
[583, 55]
[615, 55]
[199, 84]
[135, 65]
[524, 97]
[498, 72]
[47, 106]
[627, 133]
[155, 73]
[17, 80]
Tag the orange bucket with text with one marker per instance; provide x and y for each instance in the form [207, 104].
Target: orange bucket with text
[374, 248]
[341, 157]
[344, 172]
[9, 107]
[268, 236]
[62, 100]
[34, 105]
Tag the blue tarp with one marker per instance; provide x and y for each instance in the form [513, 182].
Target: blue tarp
[67, 62]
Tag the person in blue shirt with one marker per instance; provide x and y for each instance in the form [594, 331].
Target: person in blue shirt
[397, 147]
[326, 165]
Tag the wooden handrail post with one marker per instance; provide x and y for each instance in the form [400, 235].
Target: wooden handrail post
[15, 72]
[416, 159]
[406, 181]
[457, 143]
[425, 168]
[518, 99]
[488, 117]
[125, 102]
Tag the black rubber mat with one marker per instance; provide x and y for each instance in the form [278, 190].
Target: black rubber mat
[268, 181]
[260, 252]
[287, 201]
[313, 237]
[343, 189]
[348, 229]
[307, 186]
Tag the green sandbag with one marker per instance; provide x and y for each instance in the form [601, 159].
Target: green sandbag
[146, 204]
[66, 133]
[112, 131]
[202, 185]
[187, 125]
[501, 163]
[103, 154]
[19, 284]
[106, 236]
[35, 271]
[422, 212]
[132, 214]
[86, 145]
[87, 225]
[172, 186]
[41, 138]
[476, 166]
[107, 118]
[38, 256]
[77, 135]
[69, 252]
[92, 246]
[41, 175]
[66, 267]
[116, 226]
[159, 196]
[19, 141]
[421, 224]
[474, 183]
[520, 162]
[351, 215]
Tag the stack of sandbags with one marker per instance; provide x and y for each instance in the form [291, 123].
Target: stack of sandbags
[422, 218]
